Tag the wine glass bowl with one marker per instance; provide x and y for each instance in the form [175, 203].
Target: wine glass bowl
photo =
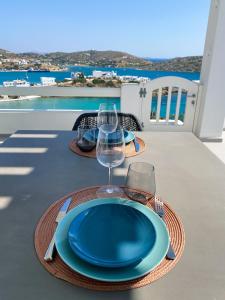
[107, 117]
[110, 153]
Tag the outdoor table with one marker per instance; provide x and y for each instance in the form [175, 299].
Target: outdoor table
[37, 168]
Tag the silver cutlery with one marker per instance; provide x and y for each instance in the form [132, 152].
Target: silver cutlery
[160, 211]
[62, 212]
[136, 144]
[136, 196]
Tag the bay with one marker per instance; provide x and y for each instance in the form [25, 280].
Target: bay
[34, 77]
[78, 103]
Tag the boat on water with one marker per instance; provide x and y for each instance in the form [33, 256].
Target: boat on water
[38, 70]
[16, 83]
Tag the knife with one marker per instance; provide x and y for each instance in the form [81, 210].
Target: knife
[62, 212]
[136, 144]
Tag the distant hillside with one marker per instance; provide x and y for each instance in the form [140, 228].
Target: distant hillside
[179, 64]
[95, 58]
[115, 59]
[5, 52]
[155, 59]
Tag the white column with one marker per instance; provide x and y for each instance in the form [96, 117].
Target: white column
[211, 103]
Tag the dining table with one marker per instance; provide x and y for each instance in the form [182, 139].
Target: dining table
[37, 168]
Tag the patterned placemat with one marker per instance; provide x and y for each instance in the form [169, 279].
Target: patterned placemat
[46, 227]
[129, 149]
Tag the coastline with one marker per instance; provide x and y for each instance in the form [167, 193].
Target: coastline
[21, 98]
[26, 71]
[98, 67]
[34, 77]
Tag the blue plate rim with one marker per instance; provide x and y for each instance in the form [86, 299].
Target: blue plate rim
[111, 274]
[127, 141]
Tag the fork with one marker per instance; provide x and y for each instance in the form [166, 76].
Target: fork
[160, 211]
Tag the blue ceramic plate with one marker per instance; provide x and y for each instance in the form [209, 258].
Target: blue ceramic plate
[111, 235]
[148, 263]
[92, 135]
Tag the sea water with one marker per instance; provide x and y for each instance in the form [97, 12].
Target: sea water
[34, 77]
[79, 103]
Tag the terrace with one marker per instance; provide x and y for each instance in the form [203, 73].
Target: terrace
[37, 168]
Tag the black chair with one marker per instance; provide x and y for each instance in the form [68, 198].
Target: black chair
[126, 121]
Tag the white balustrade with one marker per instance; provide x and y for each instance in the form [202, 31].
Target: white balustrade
[132, 101]
[168, 117]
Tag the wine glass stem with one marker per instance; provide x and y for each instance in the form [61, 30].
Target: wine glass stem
[110, 176]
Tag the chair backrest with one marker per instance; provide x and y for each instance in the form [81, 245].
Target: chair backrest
[126, 121]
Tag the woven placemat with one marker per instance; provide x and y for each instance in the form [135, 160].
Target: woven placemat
[46, 226]
[129, 149]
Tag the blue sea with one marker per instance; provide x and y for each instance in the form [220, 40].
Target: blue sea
[34, 77]
[88, 103]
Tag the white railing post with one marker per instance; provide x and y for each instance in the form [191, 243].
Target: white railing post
[168, 104]
[130, 100]
[178, 105]
[159, 105]
[211, 101]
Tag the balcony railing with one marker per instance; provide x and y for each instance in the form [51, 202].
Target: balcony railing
[166, 103]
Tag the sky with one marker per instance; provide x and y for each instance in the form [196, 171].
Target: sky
[146, 28]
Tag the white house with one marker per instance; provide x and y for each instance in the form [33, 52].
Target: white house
[127, 78]
[76, 75]
[102, 74]
[23, 62]
[48, 81]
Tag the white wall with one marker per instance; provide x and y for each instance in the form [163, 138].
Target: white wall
[130, 99]
[211, 108]
[13, 120]
[61, 91]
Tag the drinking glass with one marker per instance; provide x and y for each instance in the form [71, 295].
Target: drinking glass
[107, 117]
[141, 177]
[110, 152]
[86, 138]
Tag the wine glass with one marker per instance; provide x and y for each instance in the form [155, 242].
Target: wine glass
[107, 117]
[110, 152]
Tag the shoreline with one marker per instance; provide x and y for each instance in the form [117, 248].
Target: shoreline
[99, 67]
[26, 71]
[21, 98]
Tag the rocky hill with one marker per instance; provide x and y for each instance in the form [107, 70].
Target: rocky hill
[110, 58]
[94, 58]
[6, 53]
[179, 64]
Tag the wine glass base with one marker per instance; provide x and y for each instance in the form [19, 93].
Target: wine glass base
[109, 190]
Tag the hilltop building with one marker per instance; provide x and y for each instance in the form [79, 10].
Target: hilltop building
[102, 74]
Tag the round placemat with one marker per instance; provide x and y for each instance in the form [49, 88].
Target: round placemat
[129, 149]
[46, 227]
